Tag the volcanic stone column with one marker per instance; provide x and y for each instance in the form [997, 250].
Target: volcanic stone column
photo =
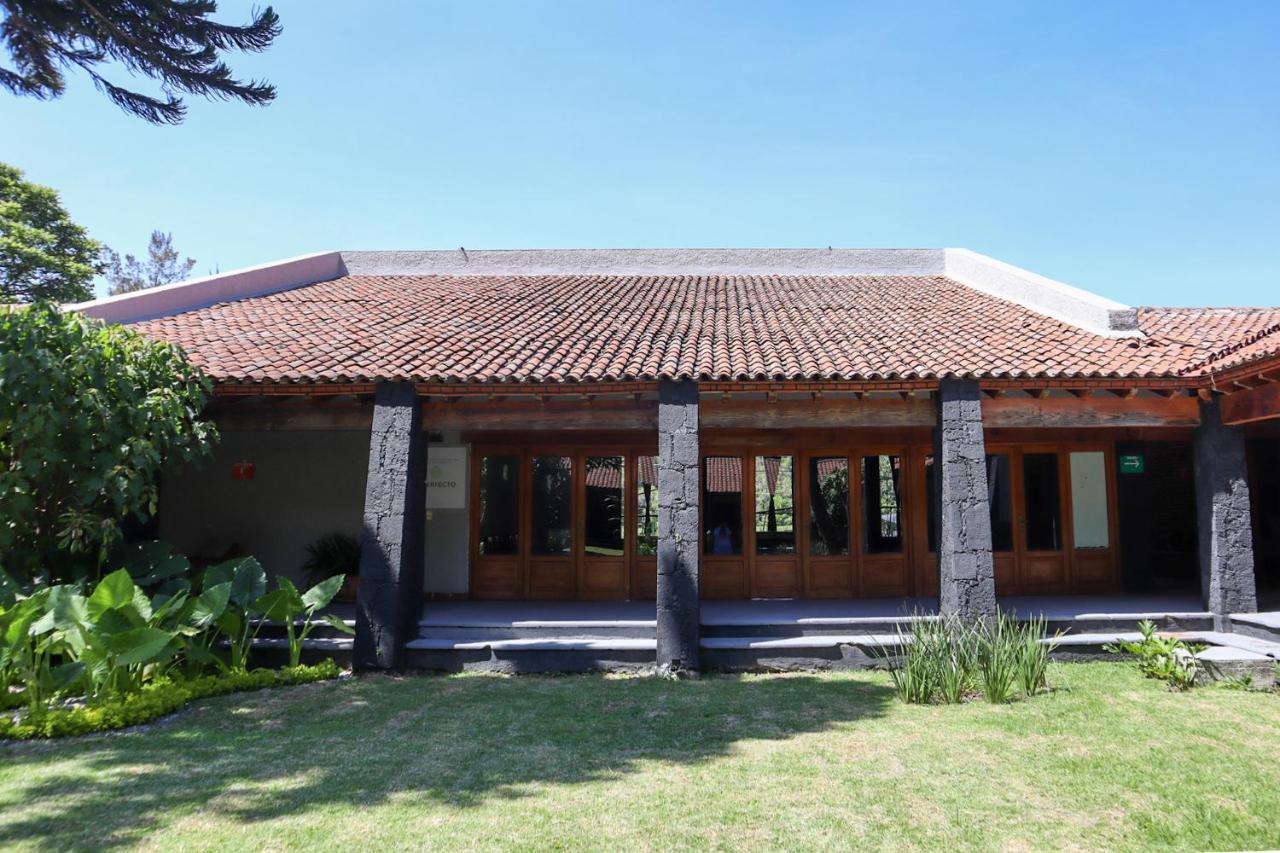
[391, 545]
[678, 526]
[966, 572]
[1223, 518]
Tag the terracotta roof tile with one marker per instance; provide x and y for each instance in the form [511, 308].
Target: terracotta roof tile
[603, 328]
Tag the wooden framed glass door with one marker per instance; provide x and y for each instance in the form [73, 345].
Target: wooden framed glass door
[644, 511]
[1053, 520]
[882, 522]
[828, 525]
[723, 566]
[774, 560]
[602, 571]
[551, 513]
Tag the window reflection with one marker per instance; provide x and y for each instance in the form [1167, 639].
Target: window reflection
[775, 505]
[722, 505]
[828, 506]
[551, 530]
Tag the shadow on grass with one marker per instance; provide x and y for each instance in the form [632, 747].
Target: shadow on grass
[456, 742]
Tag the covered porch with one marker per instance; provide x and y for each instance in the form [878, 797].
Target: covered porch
[699, 509]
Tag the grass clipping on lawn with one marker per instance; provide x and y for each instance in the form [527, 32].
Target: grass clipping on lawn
[153, 701]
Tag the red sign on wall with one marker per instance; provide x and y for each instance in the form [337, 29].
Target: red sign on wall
[242, 470]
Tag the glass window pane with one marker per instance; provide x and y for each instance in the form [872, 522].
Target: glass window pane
[931, 504]
[603, 510]
[499, 504]
[722, 505]
[1089, 500]
[1000, 497]
[775, 505]
[882, 504]
[828, 506]
[1044, 515]
[552, 504]
[647, 506]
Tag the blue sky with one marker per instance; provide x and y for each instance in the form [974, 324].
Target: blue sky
[1128, 148]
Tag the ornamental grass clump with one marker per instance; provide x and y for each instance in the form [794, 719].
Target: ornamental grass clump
[943, 659]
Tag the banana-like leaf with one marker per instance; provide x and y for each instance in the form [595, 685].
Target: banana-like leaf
[230, 623]
[140, 645]
[277, 605]
[247, 577]
[113, 592]
[337, 624]
[210, 604]
[322, 593]
[64, 675]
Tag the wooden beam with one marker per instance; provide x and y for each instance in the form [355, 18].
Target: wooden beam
[797, 414]
[1256, 404]
[302, 414]
[1058, 412]
[553, 414]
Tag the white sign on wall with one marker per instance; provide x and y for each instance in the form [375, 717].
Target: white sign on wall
[446, 478]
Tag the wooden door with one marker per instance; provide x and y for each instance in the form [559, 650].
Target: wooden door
[1041, 496]
[771, 540]
[497, 522]
[642, 502]
[549, 524]
[826, 524]
[602, 540]
[722, 570]
[882, 525]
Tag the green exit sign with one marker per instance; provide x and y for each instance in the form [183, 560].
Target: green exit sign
[1132, 463]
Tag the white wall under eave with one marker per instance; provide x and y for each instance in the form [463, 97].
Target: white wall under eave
[305, 484]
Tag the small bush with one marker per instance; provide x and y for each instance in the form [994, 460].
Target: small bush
[1162, 657]
[942, 659]
[154, 701]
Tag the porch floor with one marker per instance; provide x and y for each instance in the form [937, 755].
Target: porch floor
[518, 614]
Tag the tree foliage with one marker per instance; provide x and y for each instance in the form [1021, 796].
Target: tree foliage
[162, 266]
[43, 254]
[172, 41]
[88, 415]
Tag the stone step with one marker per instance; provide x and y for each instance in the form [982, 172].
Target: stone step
[594, 629]
[811, 627]
[827, 627]
[533, 654]
[1262, 626]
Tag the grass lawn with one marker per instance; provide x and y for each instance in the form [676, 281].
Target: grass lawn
[1109, 760]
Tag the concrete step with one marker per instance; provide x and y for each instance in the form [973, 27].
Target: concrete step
[594, 629]
[533, 654]
[1262, 626]
[811, 627]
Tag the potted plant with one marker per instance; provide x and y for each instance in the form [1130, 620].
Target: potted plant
[334, 554]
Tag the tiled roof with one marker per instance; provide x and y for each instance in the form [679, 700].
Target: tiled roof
[443, 328]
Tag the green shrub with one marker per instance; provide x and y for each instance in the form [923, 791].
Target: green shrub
[942, 659]
[89, 415]
[154, 701]
[1161, 656]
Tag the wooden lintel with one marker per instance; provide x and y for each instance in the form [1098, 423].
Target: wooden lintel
[558, 413]
[1058, 412]
[254, 414]
[1256, 404]
[798, 414]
